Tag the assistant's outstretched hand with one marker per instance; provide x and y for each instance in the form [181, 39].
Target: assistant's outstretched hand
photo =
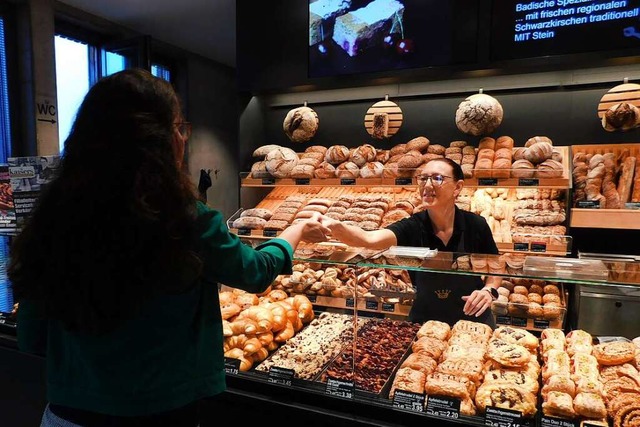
[477, 303]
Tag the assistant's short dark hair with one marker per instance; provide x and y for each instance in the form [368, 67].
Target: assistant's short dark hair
[457, 173]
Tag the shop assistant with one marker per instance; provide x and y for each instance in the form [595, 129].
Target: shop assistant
[443, 226]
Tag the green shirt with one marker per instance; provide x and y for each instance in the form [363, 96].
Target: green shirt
[169, 355]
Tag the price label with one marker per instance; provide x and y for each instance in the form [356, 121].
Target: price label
[302, 181]
[269, 233]
[371, 305]
[340, 388]
[231, 366]
[244, 232]
[281, 376]
[488, 181]
[524, 247]
[349, 302]
[498, 417]
[268, 181]
[588, 204]
[528, 182]
[312, 298]
[503, 320]
[519, 321]
[404, 181]
[408, 400]
[387, 306]
[629, 205]
[347, 181]
[540, 323]
[443, 407]
[556, 422]
[538, 247]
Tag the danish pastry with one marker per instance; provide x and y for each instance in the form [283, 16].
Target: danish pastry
[475, 328]
[438, 386]
[510, 355]
[553, 334]
[462, 367]
[559, 383]
[614, 353]
[506, 396]
[435, 329]
[519, 378]
[458, 351]
[585, 385]
[409, 380]
[420, 362]
[470, 385]
[516, 336]
[430, 346]
[557, 363]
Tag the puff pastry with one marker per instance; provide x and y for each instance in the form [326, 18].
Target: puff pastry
[559, 383]
[438, 386]
[550, 333]
[584, 366]
[420, 362]
[506, 396]
[589, 405]
[457, 351]
[408, 379]
[557, 363]
[435, 329]
[462, 367]
[585, 385]
[558, 404]
[430, 346]
[474, 328]
[470, 385]
[519, 378]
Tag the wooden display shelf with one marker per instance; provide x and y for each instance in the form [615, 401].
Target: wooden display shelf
[558, 249]
[363, 304]
[624, 219]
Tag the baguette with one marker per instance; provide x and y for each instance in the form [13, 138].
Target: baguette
[635, 194]
[626, 179]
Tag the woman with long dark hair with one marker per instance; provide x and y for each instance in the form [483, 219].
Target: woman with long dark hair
[116, 271]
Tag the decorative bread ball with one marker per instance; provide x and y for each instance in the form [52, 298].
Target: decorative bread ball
[280, 161]
[479, 114]
[300, 124]
[337, 154]
[363, 154]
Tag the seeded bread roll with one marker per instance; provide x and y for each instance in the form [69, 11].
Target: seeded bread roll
[250, 222]
[411, 160]
[460, 144]
[436, 149]
[419, 143]
[257, 212]
[398, 149]
[337, 154]
[467, 170]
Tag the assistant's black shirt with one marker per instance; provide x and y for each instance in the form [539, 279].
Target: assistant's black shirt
[417, 230]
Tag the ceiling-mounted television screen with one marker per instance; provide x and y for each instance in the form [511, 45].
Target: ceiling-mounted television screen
[530, 29]
[365, 36]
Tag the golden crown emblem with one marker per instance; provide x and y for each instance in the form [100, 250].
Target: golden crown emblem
[443, 293]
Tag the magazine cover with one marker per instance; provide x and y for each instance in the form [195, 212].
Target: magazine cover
[28, 176]
[7, 210]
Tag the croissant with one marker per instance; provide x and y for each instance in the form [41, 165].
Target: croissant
[304, 307]
[265, 338]
[251, 345]
[243, 326]
[226, 328]
[259, 355]
[229, 310]
[236, 353]
[279, 316]
[246, 300]
[262, 316]
[236, 341]
[284, 334]
[226, 297]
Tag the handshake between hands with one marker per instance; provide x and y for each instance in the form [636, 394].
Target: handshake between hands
[318, 228]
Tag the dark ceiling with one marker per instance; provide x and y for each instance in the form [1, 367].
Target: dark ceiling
[204, 27]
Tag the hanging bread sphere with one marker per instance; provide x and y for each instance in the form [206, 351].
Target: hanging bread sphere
[479, 114]
[622, 116]
[300, 124]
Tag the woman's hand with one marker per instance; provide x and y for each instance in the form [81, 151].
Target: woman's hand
[477, 303]
[313, 230]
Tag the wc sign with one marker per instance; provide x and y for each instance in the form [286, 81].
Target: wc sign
[46, 111]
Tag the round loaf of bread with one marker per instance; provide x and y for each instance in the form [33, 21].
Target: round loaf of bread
[419, 143]
[263, 150]
[382, 156]
[302, 171]
[259, 170]
[309, 161]
[325, 170]
[411, 160]
[316, 149]
[479, 114]
[363, 154]
[281, 161]
[390, 170]
[336, 154]
[536, 139]
[556, 155]
[549, 169]
[300, 124]
[518, 153]
[538, 152]
[312, 155]
[522, 169]
[372, 170]
[347, 170]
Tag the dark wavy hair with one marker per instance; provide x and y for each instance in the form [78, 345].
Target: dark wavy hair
[116, 227]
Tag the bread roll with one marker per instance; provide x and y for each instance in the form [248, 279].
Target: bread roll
[398, 149]
[281, 161]
[436, 149]
[522, 169]
[487, 142]
[504, 142]
[372, 170]
[536, 139]
[347, 170]
[263, 150]
[549, 169]
[538, 152]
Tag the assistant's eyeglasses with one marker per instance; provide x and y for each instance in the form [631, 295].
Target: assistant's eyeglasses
[436, 179]
[184, 128]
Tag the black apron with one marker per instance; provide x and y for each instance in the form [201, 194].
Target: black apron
[439, 296]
